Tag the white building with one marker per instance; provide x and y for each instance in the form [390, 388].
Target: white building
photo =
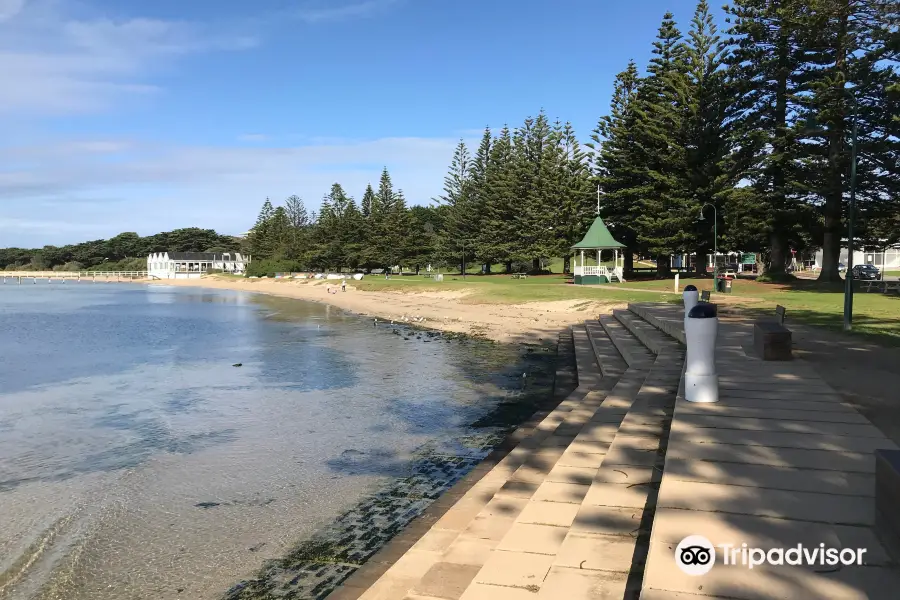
[887, 260]
[187, 265]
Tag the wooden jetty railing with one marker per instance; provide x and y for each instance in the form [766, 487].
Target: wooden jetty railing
[50, 276]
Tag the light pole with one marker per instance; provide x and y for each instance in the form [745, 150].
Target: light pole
[848, 278]
[715, 243]
[851, 218]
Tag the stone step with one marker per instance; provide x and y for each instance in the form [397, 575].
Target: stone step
[467, 530]
[538, 550]
[609, 354]
[531, 512]
[632, 350]
[589, 373]
[654, 339]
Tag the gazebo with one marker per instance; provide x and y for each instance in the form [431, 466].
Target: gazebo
[598, 238]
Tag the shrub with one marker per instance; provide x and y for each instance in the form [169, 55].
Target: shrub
[268, 267]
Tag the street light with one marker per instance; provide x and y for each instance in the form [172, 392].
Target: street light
[715, 243]
[848, 278]
[851, 218]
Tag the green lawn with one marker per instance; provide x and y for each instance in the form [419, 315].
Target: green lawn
[875, 314]
[503, 289]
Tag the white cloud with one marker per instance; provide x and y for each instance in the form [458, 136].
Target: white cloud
[10, 8]
[316, 13]
[52, 64]
[99, 188]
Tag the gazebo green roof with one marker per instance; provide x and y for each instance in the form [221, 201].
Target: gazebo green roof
[597, 237]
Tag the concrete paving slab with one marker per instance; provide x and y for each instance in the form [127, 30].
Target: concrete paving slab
[460, 515]
[436, 540]
[773, 403]
[518, 489]
[846, 415]
[826, 460]
[598, 552]
[469, 550]
[580, 584]
[446, 581]
[609, 415]
[480, 591]
[589, 446]
[536, 539]
[569, 493]
[625, 474]
[519, 569]
[495, 519]
[598, 432]
[584, 460]
[557, 514]
[630, 495]
[773, 439]
[672, 525]
[767, 476]
[806, 506]
[687, 422]
[607, 520]
[576, 475]
[638, 457]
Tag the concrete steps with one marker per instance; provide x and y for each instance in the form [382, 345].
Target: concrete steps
[447, 558]
[635, 353]
[590, 538]
[567, 513]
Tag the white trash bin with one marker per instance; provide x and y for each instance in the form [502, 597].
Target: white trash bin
[691, 298]
[701, 382]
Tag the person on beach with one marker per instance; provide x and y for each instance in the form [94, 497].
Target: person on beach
[328, 289]
[343, 285]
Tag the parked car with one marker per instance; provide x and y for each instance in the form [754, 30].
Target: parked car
[841, 267]
[866, 272]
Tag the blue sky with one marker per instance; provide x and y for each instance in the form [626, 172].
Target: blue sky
[144, 116]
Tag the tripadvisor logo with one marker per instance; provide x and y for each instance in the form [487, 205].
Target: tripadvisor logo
[696, 555]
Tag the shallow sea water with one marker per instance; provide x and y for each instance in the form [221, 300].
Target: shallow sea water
[137, 463]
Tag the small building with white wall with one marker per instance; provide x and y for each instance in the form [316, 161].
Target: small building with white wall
[188, 265]
[886, 260]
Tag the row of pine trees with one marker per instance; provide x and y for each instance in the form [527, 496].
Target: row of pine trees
[755, 121]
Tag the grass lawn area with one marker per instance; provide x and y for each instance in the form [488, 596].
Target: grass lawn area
[503, 289]
[875, 314]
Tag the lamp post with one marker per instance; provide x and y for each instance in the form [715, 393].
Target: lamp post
[851, 218]
[715, 242]
[848, 278]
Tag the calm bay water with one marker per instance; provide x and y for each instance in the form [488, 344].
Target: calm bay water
[137, 463]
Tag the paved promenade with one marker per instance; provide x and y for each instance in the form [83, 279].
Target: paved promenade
[593, 503]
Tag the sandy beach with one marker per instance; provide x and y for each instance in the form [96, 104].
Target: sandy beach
[533, 322]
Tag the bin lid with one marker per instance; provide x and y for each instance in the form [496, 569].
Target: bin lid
[703, 311]
[690, 288]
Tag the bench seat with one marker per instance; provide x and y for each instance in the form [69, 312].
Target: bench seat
[772, 341]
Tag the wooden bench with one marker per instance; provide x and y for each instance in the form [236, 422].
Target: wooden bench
[520, 275]
[887, 489]
[771, 339]
[428, 275]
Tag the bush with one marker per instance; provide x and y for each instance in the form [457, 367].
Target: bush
[268, 268]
